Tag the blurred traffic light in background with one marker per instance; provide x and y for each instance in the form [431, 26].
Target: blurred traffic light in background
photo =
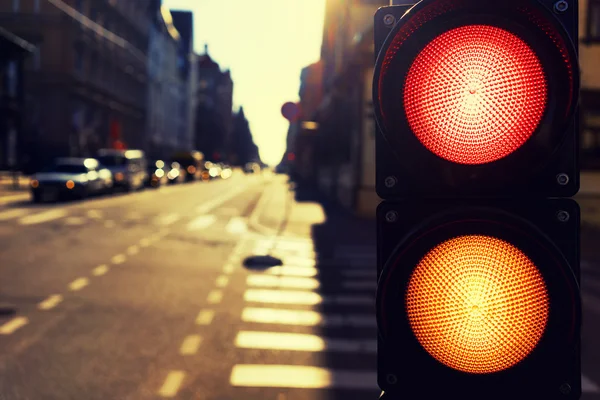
[478, 245]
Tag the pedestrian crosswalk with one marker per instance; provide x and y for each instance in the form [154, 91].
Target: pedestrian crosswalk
[323, 303]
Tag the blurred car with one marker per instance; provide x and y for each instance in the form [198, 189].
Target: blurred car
[214, 171]
[129, 167]
[157, 174]
[175, 173]
[192, 162]
[252, 168]
[226, 172]
[70, 177]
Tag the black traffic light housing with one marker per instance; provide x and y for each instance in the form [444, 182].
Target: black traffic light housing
[545, 231]
[546, 165]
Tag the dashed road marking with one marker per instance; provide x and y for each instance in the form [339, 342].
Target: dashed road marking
[100, 270]
[282, 282]
[11, 326]
[205, 317]
[72, 221]
[118, 259]
[172, 384]
[190, 345]
[301, 342]
[133, 250]
[222, 281]
[237, 226]
[45, 216]
[10, 214]
[79, 284]
[201, 222]
[168, 219]
[214, 297]
[50, 302]
[306, 318]
[301, 377]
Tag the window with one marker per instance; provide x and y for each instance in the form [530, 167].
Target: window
[593, 21]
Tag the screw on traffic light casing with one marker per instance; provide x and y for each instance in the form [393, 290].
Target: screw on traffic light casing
[478, 176]
[561, 6]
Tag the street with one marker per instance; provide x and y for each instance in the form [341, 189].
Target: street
[145, 296]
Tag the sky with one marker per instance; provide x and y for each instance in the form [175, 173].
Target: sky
[265, 44]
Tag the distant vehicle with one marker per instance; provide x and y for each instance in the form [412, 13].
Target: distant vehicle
[70, 177]
[226, 172]
[192, 162]
[252, 168]
[214, 170]
[175, 173]
[157, 174]
[129, 167]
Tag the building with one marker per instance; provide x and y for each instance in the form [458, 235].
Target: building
[86, 83]
[167, 120]
[184, 22]
[214, 122]
[13, 52]
[589, 58]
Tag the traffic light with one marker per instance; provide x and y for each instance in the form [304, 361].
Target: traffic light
[476, 103]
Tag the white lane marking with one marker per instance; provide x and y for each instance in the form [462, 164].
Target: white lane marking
[301, 342]
[306, 318]
[293, 271]
[100, 270]
[201, 222]
[145, 242]
[282, 281]
[587, 386]
[214, 297]
[94, 214]
[12, 325]
[360, 285]
[50, 302]
[79, 284]
[190, 345]
[10, 214]
[237, 226]
[302, 298]
[357, 273]
[133, 250]
[205, 317]
[301, 377]
[214, 203]
[168, 219]
[74, 221]
[228, 269]
[109, 224]
[222, 281]
[118, 259]
[172, 383]
[45, 216]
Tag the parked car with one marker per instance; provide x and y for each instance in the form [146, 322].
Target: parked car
[129, 167]
[157, 174]
[70, 177]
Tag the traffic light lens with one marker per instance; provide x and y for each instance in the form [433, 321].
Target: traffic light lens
[475, 94]
[477, 304]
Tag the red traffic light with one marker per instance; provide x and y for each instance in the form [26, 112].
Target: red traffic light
[480, 96]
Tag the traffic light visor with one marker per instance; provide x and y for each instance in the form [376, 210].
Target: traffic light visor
[477, 304]
[462, 83]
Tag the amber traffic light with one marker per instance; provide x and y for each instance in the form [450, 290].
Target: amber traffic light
[476, 104]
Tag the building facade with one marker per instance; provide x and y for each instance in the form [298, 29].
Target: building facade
[167, 120]
[214, 120]
[86, 83]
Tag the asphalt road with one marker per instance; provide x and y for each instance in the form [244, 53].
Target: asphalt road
[146, 296]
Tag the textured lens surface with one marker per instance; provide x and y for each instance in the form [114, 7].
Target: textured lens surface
[477, 304]
[475, 94]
